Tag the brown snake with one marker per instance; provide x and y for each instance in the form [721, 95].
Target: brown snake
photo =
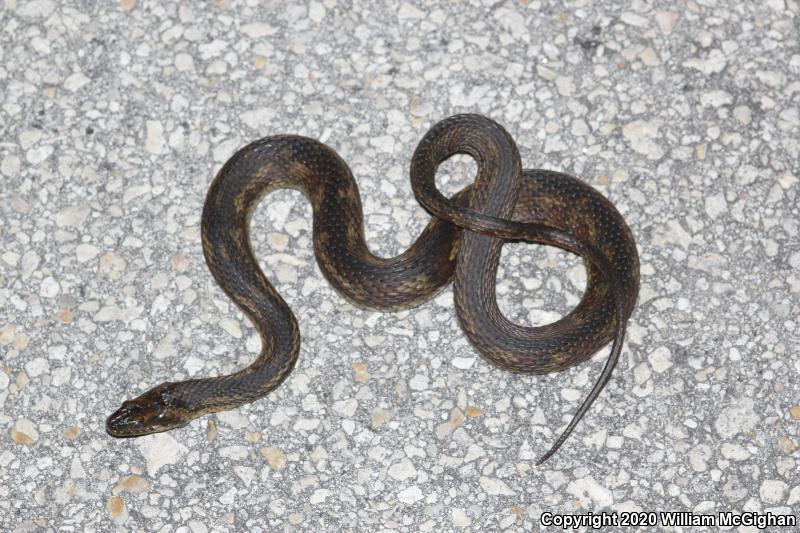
[462, 241]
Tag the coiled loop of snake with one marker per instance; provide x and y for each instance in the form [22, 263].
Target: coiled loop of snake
[463, 241]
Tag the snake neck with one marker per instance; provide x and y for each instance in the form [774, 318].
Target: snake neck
[210, 395]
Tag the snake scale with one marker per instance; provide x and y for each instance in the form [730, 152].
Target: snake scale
[462, 242]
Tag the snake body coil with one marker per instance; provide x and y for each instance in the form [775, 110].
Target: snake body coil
[462, 241]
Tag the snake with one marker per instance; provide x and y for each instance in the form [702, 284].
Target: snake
[461, 243]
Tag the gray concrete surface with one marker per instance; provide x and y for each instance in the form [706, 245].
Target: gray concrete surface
[114, 119]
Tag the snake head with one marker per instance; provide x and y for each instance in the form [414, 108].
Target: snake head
[152, 412]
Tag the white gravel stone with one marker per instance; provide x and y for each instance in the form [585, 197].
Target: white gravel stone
[160, 450]
[246, 474]
[666, 21]
[49, 287]
[75, 81]
[110, 314]
[197, 527]
[258, 30]
[699, 456]
[773, 491]
[258, 118]
[72, 216]
[319, 496]
[10, 165]
[743, 114]
[565, 85]
[29, 137]
[229, 497]
[346, 408]
[38, 154]
[62, 376]
[402, 470]
[36, 8]
[410, 495]
[495, 487]
[86, 252]
[183, 62]
[713, 63]
[384, 143]
[464, 363]
[641, 373]
[419, 382]
[587, 488]
[316, 11]
[643, 137]
[154, 137]
[716, 98]
[736, 418]
[231, 327]
[734, 452]
[234, 452]
[660, 359]
[633, 19]
[715, 205]
[794, 261]
[409, 11]
[37, 366]
[460, 518]
[234, 419]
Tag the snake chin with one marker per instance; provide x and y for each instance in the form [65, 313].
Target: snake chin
[152, 412]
